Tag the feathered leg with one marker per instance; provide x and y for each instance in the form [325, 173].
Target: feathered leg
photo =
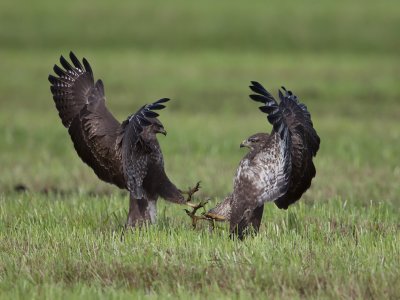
[249, 222]
[240, 227]
[139, 212]
[255, 220]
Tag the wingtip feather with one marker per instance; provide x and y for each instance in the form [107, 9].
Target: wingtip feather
[67, 66]
[162, 100]
[60, 72]
[87, 66]
[75, 60]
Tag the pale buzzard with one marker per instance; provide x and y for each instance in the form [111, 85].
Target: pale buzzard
[279, 166]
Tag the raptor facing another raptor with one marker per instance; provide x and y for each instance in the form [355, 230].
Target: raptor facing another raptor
[125, 154]
[278, 168]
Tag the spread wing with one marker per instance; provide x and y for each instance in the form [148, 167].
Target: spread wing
[93, 129]
[264, 175]
[304, 146]
[99, 139]
[304, 140]
[135, 151]
[274, 162]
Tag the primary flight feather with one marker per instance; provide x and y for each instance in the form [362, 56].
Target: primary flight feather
[125, 154]
[278, 168]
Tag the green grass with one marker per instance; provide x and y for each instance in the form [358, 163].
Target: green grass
[340, 241]
[332, 249]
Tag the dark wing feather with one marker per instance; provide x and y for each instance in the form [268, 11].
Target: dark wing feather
[280, 171]
[135, 151]
[305, 144]
[263, 175]
[292, 116]
[93, 129]
[70, 89]
[270, 107]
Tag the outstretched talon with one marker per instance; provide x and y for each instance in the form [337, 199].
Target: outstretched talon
[192, 214]
[191, 191]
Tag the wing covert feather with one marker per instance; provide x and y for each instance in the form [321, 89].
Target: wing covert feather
[93, 129]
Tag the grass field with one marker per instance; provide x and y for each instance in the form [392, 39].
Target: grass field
[62, 238]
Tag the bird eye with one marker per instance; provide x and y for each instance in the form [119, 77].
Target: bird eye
[253, 140]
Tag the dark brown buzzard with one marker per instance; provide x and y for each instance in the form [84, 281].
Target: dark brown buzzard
[279, 166]
[126, 154]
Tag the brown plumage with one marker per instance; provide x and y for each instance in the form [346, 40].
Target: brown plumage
[279, 166]
[126, 154]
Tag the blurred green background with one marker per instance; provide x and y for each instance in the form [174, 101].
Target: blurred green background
[340, 241]
[340, 57]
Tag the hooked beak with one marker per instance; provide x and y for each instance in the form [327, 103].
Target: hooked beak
[244, 144]
[162, 131]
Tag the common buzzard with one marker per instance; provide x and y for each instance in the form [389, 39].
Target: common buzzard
[279, 166]
[125, 154]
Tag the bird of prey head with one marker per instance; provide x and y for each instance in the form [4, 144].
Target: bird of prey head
[155, 127]
[278, 168]
[256, 141]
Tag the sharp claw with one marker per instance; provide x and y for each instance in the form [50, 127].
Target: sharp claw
[190, 204]
[192, 191]
[192, 214]
[197, 206]
[197, 187]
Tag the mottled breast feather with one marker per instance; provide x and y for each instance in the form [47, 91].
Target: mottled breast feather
[264, 175]
[279, 166]
[137, 150]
